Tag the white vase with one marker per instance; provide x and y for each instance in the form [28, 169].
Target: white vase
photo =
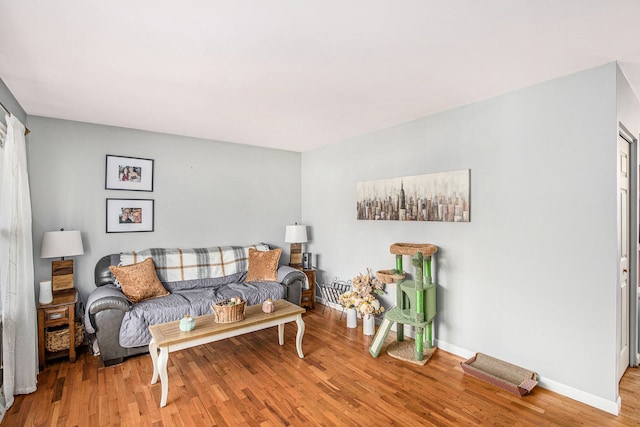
[352, 318]
[46, 297]
[369, 324]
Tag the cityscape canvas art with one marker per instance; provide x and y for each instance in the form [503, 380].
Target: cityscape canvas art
[442, 196]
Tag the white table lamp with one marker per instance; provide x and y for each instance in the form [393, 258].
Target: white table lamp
[296, 235]
[60, 244]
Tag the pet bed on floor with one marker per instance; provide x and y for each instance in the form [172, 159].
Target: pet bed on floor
[502, 374]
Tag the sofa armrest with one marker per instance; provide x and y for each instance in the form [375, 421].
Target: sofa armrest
[287, 275]
[108, 297]
[106, 307]
[293, 280]
[118, 303]
[112, 308]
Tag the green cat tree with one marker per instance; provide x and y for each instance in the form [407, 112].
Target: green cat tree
[415, 300]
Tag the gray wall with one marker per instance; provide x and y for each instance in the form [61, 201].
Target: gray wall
[9, 101]
[532, 278]
[206, 192]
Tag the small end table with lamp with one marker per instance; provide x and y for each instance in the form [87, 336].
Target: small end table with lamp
[58, 297]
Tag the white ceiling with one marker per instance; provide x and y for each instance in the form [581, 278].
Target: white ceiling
[295, 74]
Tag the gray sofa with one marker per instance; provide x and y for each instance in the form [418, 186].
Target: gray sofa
[119, 328]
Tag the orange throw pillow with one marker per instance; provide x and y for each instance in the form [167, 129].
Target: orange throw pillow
[139, 281]
[263, 265]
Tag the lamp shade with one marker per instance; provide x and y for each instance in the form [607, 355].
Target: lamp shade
[58, 244]
[295, 233]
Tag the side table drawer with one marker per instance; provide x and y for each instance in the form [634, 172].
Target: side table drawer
[307, 298]
[56, 315]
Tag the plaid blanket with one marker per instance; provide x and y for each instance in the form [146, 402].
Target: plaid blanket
[176, 265]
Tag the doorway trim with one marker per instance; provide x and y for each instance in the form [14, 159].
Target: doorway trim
[634, 237]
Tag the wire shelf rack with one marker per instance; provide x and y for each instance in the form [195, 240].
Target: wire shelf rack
[330, 292]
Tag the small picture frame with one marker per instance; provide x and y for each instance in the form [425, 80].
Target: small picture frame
[130, 215]
[128, 173]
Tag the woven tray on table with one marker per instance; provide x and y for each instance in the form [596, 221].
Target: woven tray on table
[229, 313]
[58, 339]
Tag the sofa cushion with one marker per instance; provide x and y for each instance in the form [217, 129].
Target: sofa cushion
[139, 281]
[263, 265]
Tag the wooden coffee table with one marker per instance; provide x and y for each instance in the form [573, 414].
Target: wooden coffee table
[167, 337]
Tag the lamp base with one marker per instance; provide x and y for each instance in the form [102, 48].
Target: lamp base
[61, 275]
[295, 255]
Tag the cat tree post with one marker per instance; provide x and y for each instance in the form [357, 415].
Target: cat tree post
[426, 268]
[400, 299]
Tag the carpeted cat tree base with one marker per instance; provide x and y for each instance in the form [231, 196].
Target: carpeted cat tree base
[405, 350]
[511, 378]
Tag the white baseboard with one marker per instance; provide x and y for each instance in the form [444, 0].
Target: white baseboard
[581, 396]
[551, 385]
[454, 349]
[329, 304]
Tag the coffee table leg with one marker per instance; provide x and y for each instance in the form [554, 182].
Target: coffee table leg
[164, 379]
[281, 334]
[299, 335]
[153, 351]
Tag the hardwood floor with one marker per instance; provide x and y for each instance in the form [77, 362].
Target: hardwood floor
[252, 381]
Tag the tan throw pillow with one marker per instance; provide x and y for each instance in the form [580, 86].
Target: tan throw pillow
[263, 265]
[139, 281]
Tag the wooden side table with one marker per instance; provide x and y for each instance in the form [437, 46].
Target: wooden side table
[309, 295]
[60, 312]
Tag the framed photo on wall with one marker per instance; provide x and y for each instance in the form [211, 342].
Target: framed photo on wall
[128, 173]
[129, 215]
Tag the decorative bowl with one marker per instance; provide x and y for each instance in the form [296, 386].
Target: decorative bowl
[187, 323]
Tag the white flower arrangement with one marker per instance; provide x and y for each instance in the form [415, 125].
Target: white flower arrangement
[369, 306]
[362, 297]
[349, 299]
[366, 286]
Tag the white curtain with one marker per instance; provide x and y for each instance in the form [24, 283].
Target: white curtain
[17, 294]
